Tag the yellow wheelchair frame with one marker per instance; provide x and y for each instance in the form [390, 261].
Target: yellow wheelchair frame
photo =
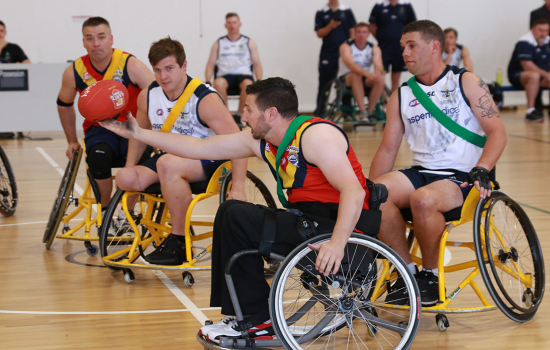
[158, 227]
[471, 206]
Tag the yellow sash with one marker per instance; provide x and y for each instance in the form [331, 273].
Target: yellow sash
[117, 54]
[182, 101]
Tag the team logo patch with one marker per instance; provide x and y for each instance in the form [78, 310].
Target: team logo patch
[293, 158]
[414, 103]
[86, 76]
[160, 112]
[267, 148]
[184, 115]
[448, 93]
[117, 97]
[118, 78]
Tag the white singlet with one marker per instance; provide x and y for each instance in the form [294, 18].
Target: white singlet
[361, 57]
[434, 147]
[456, 58]
[188, 122]
[234, 56]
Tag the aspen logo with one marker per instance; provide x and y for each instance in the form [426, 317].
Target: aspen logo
[117, 97]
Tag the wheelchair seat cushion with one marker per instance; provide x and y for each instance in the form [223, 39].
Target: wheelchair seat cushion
[451, 215]
[196, 187]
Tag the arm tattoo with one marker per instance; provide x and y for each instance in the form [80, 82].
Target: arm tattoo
[486, 103]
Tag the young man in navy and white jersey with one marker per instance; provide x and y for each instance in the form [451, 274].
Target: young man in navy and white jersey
[203, 116]
[334, 23]
[528, 67]
[443, 163]
[236, 58]
[387, 19]
[355, 70]
[454, 53]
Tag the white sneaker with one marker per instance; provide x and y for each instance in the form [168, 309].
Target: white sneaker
[227, 331]
[262, 331]
[222, 323]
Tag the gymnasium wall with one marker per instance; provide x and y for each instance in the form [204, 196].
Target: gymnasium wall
[50, 31]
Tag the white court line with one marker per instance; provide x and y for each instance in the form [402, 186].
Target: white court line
[100, 312]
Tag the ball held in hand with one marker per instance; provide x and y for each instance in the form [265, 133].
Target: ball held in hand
[104, 99]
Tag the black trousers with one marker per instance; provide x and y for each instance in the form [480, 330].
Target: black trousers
[328, 69]
[238, 226]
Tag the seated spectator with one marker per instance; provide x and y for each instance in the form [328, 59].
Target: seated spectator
[235, 56]
[529, 65]
[356, 60]
[10, 52]
[454, 53]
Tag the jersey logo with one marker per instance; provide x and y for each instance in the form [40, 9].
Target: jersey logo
[448, 93]
[267, 148]
[86, 76]
[293, 158]
[160, 112]
[414, 103]
[117, 97]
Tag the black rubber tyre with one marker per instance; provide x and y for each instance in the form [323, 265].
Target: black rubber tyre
[256, 191]
[507, 248]
[8, 187]
[332, 99]
[309, 310]
[64, 193]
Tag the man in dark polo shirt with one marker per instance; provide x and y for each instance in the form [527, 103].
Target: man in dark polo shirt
[541, 12]
[10, 52]
[387, 20]
[528, 67]
[335, 24]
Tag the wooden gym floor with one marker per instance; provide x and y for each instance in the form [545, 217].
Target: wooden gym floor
[63, 299]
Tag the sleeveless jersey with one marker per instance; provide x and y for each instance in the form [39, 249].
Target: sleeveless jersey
[456, 58]
[188, 122]
[85, 74]
[234, 56]
[304, 181]
[434, 147]
[361, 57]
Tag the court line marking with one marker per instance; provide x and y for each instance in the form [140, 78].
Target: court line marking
[101, 312]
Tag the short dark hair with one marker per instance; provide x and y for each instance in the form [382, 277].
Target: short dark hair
[275, 92]
[94, 22]
[2, 24]
[539, 21]
[429, 31]
[362, 24]
[166, 47]
[232, 14]
[448, 30]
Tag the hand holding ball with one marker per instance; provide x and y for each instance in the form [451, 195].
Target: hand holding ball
[104, 99]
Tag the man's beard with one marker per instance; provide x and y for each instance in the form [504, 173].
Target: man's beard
[540, 41]
[261, 129]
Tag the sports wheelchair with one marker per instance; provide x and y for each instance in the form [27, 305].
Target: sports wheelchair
[340, 105]
[508, 256]
[8, 187]
[137, 221]
[65, 197]
[344, 310]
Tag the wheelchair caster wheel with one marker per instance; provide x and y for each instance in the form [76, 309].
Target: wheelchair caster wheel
[65, 229]
[91, 249]
[188, 279]
[528, 298]
[128, 276]
[442, 322]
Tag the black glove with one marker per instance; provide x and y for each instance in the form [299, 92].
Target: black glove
[482, 175]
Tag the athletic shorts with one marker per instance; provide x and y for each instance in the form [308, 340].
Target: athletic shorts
[514, 79]
[234, 80]
[395, 60]
[421, 177]
[342, 79]
[209, 166]
[97, 134]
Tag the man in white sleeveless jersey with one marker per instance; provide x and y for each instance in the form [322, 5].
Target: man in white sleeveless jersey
[453, 54]
[444, 164]
[354, 70]
[236, 58]
[203, 115]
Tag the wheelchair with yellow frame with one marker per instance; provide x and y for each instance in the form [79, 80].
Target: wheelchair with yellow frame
[138, 221]
[65, 197]
[341, 107]
[508, 257]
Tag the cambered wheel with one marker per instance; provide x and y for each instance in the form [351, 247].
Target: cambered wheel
[509, 256]
[309, 310]
[8, 187]
[256, 191]
[64, 194]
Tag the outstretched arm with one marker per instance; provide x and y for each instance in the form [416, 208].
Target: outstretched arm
[326, 147]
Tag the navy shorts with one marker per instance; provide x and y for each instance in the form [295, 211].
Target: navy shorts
[514, 79]
[421, 177]
[209, 166]
[234, 80]
[395, 60]
[97, 134]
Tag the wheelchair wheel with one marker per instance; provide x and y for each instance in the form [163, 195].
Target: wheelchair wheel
[64, 194]
[256, 191]
[309, 310]
[509, 256]
[116, 233]
[332, 100]
[8, 187]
